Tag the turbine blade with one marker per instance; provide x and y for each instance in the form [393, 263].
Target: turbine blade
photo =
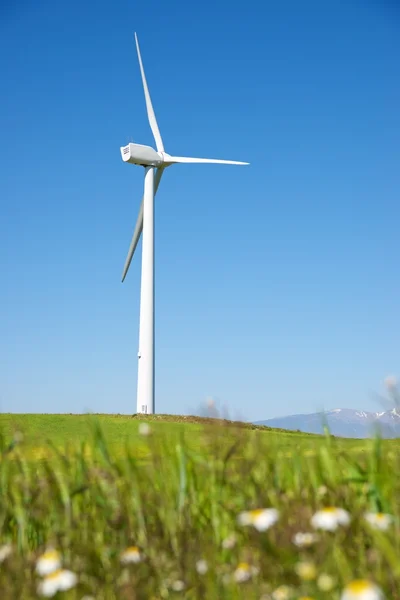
[188, 159]
[139, 226]
[150, 110]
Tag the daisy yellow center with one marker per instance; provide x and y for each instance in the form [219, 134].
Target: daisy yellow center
[330, 510]
[243, 566]
[132, 550]
[380, 516]
[54, 575]
[256, 512]
[51, 555]
[360, 585]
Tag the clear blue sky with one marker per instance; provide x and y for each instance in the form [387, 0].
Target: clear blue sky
[277, 284]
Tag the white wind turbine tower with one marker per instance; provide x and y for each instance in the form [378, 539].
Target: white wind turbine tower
[152, 161]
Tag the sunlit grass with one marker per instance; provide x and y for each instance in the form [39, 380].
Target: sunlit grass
[178, 512]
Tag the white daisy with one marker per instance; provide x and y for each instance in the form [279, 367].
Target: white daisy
[362, 589]
[325, 582]
[283, 592]
[5, 551]
[261, 518]
[130, 555]
[144, 429]
[229, 542]
[390, 382]
[210, 402]
[306, 570]
[330, 518]
[304, 540]
[48, 562]
[202, 566]
[380, 521]
[58, 581]
[178, 585]
[244, 572]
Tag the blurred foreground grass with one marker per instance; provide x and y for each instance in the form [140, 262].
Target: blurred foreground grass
[178, 496]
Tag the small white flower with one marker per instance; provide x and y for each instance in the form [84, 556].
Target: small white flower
[210, 402]
[202, 567]
[130, 555]
[5, 551]
[244, 572]
[304, 540]
[229, 542]
[362, 589]
[48, 562]
[144, 429]
[325, 582]
[283, 592]
[178, 586]
[306, 570]
[390, 382]
[322, 490]
[261, 518]
[380, 521]
[58, 581]
[330, 518]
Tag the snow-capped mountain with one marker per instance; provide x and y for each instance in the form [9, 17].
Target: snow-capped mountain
[342, 422]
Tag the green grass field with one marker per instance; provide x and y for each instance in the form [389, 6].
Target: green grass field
[183, 499]
[121, 431]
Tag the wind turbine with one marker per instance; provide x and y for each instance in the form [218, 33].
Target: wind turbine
[152, 161]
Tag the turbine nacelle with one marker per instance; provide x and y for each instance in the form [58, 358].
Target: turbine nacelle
[137, 154]
[146, 156]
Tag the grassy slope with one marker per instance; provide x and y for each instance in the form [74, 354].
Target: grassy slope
[182, 502]
[118, 429]
[70, 431]
[61, 428]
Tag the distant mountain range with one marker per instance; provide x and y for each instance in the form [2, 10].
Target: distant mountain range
[342, 422]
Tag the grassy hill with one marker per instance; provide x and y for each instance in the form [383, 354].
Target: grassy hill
[118, 429]
[64, 425]
[40, 431]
